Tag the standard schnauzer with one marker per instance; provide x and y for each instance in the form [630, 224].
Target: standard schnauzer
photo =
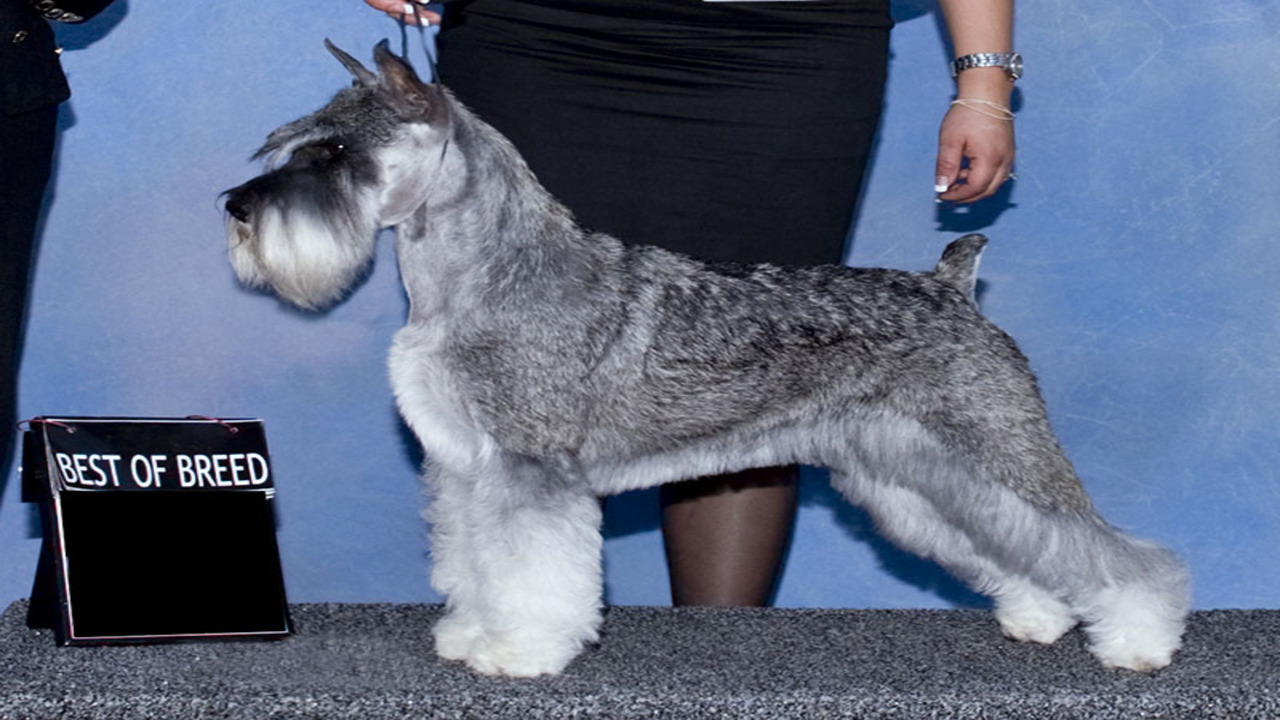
[543, 366]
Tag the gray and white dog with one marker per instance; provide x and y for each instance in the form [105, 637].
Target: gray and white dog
[543, 366]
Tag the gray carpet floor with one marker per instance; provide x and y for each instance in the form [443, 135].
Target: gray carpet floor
[376, 661]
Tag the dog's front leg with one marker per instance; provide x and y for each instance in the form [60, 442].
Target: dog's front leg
[453, 571]
[528, 598]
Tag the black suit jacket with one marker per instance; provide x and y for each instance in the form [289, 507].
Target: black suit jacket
[30, 73]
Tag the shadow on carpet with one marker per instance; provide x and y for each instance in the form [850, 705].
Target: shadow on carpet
[376, 661]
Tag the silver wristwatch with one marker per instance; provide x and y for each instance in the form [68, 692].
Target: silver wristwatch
[1011, 62]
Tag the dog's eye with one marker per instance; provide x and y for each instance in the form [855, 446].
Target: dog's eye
[320, 151]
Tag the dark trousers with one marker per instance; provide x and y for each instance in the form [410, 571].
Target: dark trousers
[26, 157]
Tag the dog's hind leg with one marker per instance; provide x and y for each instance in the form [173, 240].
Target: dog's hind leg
[535, 580]
[1045, 566]
[1133, 595]
[1025, 611]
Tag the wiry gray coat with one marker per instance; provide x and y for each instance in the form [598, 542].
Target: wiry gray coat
[543, 365]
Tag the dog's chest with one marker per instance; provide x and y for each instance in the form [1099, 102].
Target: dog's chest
[430, 402]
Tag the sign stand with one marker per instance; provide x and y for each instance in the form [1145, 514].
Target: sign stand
[154, 530]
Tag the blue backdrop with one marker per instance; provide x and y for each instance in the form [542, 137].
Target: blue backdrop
[1134, 259]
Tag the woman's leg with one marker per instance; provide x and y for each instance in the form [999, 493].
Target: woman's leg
[726, 536]
[26, 154]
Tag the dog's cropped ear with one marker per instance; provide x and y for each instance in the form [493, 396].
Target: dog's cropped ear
[362, 74]
[415, 99]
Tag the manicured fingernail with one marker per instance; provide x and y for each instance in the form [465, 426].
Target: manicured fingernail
[941, 184]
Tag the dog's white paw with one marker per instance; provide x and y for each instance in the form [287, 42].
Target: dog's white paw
[1142, 654]
[1029, 613]
[1136, 629]
[521, 658]
[1042, 622]
[1140, 646]
[456, 634]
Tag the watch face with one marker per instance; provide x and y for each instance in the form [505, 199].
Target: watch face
[1015, 66]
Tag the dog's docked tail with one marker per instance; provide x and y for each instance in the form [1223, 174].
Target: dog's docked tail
[958, 266]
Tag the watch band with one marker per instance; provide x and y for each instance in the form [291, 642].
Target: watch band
[1010, 61]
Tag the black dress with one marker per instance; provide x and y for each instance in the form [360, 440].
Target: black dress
[726, 130]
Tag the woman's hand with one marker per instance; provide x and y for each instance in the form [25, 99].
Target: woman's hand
[404, 10]
[982, 135]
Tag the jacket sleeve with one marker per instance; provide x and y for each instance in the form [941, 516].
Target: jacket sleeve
[68, 11]
[30, 72]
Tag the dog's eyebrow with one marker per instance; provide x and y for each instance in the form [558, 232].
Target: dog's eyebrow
[277, 150]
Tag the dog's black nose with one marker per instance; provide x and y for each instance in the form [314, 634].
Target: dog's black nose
[238, 207]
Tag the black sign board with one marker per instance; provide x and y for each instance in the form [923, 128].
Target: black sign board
[154, 530]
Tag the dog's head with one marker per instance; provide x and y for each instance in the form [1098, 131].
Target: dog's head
[306, 227]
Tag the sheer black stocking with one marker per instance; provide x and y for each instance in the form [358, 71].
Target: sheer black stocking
[726, 537]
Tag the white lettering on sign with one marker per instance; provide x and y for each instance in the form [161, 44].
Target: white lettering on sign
[222, 471]
[152, 472]
[147, 470]
[89, 470]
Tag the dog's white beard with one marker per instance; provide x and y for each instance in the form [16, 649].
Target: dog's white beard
[299, 255]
